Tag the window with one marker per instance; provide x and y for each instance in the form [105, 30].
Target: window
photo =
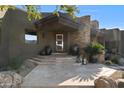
[30, 37]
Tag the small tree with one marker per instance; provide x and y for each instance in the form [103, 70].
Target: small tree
[34, 11]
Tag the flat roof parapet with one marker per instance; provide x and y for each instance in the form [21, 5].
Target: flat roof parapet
[114, 29]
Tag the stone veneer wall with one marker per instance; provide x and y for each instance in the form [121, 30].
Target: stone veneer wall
[94, 30]
[94, 24]
[82, 37]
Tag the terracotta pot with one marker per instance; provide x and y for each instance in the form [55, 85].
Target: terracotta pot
[101, 58]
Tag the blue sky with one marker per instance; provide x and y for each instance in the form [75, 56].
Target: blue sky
[109, 16]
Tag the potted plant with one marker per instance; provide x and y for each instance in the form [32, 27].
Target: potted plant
[93, 50]
[48, 50]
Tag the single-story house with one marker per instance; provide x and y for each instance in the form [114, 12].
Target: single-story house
[22, 38]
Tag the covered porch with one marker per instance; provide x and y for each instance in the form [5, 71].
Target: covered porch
[56, 31]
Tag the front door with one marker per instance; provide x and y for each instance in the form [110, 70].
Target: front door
[59, 42]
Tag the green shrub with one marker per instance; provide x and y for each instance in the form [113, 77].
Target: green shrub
[14, 63]
[94, 48]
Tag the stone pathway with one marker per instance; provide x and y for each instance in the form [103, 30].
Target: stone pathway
[62, 73]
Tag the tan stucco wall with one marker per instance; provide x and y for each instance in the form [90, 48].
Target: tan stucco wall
[50, 39]
[112, 36]
[13, 35]
[17, 44]
[121, 45]
[4, 56]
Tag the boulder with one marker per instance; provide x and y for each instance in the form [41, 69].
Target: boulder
[105, 82]
[121, 61]
[9, 79]
[108, 62]
[120, 83]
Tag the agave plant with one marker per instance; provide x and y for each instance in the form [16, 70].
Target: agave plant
[93, 49]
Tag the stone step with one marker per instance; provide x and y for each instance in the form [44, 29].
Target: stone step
[37, 59]
[42, 60]
[52, 59]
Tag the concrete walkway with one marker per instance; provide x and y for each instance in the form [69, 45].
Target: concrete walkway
[67, 74]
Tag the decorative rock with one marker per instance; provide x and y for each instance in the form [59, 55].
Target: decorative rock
[5, 80]
[108, 62]
[9, 79]
[105, 82]
[17, 80]
[120, 83]
[121, 61]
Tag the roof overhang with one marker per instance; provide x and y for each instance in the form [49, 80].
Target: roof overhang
[53, 23]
